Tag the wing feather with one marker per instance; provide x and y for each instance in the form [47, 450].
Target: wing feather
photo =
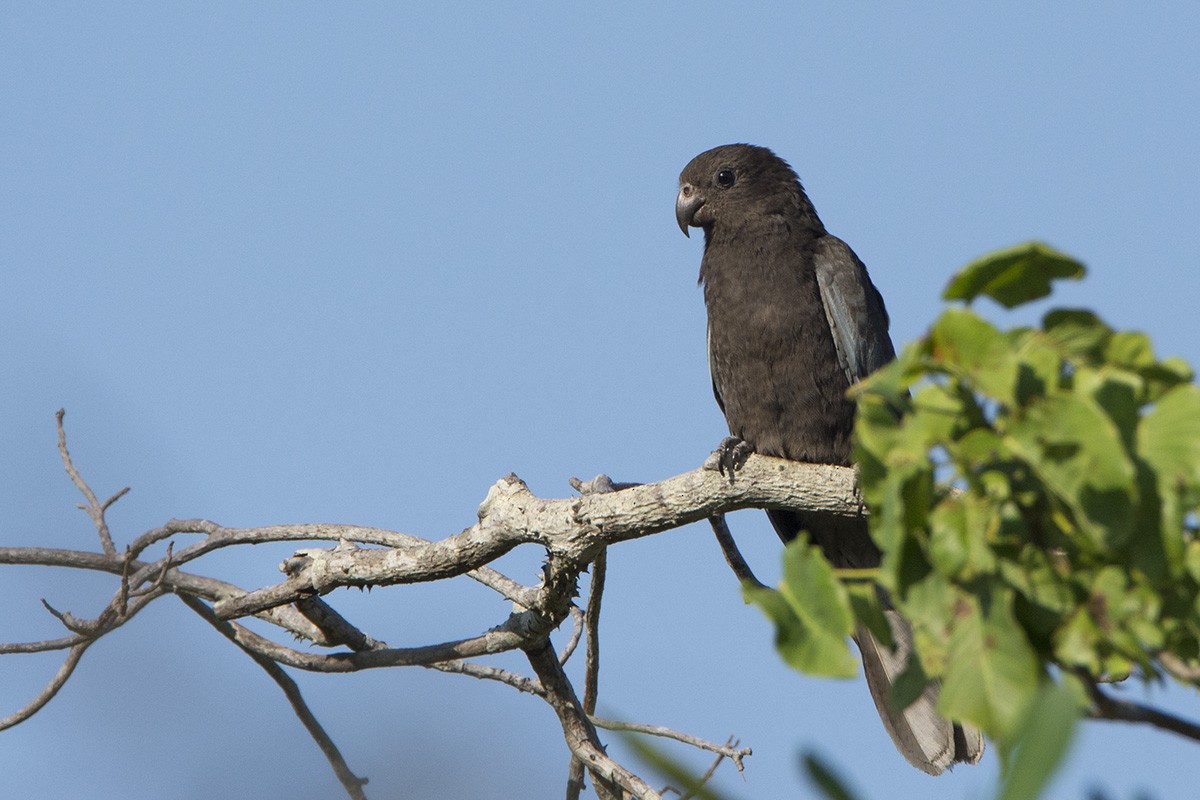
[853, 308]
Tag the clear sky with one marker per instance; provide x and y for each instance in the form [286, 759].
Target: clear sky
[288, 262]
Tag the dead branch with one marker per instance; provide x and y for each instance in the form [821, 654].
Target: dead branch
[730, 751]
[577, 528]
[574, 533]
[350, 782]
[579, 731]
[94, 508]
[729, 548]
[51, 689]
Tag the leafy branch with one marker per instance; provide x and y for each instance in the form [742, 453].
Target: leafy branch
[1034, 492]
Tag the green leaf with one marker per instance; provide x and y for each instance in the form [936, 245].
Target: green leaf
[992, 672]
[931, 607]
[1013, 276]
[683, 778]
[891, 381]
[1169, 437]
[897, 500]
[1116, 392]
[1040, 742]
[868, 610]
[1039, 364]
[948, 537]
[1162, 376]
[1077, 451]
[958, 526]
[1192, 559]
[811, 613]
[1129, 349]
[1075, 643]
[1077, 333]
[876, 428]
[1169, 440]
[1033, 574]
[828, 782]
[1156, 547]
[969, 345]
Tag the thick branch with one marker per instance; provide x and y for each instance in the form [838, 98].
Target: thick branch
[574, 532]
[217, 537]
[576, 528]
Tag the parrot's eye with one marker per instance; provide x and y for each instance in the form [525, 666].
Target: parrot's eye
[726, 178]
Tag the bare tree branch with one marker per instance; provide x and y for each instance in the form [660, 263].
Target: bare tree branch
[350, 782]
[579, 731]
[208, 588]
[568, 650]
[335, 628]
[490, 673]
[217, 537]
[591, 673]
[574, 532]
[712, 769]
[574, 527]
[1105, 706]
[42, 646]
[338, 630]
[733, 556]
[51, 689]
[94, 508]
[591, 680]
[732, 752]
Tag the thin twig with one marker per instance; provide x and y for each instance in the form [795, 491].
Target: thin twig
[42, 646]
[489, 673]
[51, 689]
[111, 618]
[576, 634]
[350, 782]
[706, 777]
[285, 617]
[732, 752]
[94, 508]
[733, 556]
[712, 770]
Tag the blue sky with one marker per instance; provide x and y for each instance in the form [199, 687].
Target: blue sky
[288, 263]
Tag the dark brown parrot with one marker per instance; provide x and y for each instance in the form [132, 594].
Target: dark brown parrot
[793, 322]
